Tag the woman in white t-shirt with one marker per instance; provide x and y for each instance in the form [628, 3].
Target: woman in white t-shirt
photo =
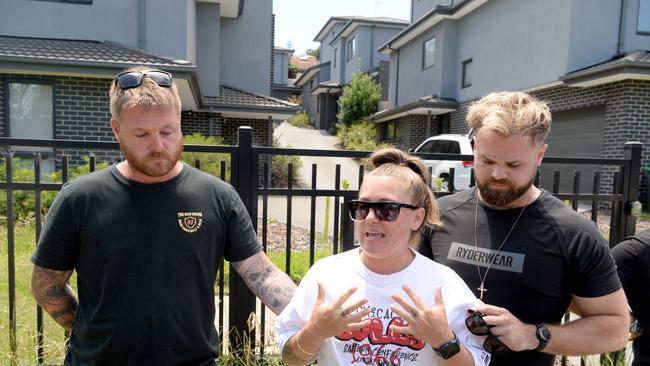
[383, 303]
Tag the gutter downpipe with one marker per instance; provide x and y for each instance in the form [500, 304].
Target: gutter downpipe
[621, 22]
[142, 40]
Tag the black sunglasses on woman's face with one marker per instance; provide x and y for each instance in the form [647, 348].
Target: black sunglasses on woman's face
[384, 211]
[133, 79]
[477, 325]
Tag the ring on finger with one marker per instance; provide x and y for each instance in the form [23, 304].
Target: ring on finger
[343, 313]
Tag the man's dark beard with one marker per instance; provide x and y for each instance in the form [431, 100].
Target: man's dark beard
[500, 198]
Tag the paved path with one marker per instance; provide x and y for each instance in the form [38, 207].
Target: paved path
[304, 138]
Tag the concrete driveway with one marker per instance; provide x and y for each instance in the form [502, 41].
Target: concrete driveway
[305, 138]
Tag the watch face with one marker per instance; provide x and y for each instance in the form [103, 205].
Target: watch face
[449, 349]
[544, 333]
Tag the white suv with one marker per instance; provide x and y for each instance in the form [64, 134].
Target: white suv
[448, 144]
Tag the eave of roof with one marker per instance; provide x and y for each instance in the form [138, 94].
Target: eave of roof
[635, 65]
[309, 73]
[354, 23]
[328, 26]
[232, 103]
[435, 105]
[427, 21]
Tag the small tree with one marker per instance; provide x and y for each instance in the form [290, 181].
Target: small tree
[359, 99]
[293, 70]
[314, 52]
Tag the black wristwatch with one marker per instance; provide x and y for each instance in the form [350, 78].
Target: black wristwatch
[449, 349]
[544, 336]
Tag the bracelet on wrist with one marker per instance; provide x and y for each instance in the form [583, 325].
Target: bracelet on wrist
[310, 354]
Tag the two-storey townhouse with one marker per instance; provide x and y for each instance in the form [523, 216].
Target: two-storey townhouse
[347, 45]
[588, 58]
[58, 59]
[281, 85]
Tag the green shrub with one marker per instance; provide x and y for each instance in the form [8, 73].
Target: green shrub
[25, 201]
[299, 120]
[210, 162]
[359, 99]
[280, 167]
[359, 136]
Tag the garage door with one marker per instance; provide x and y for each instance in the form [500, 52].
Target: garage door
[574, 133]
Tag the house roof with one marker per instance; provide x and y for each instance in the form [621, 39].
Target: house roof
[79, 51]
[310, 73]
[345, 19]
[86, 58]
[283, 49]
[430, 19]
[432, 103]
[304, 62]
[382, 22]
[237, 103]
[632, 65]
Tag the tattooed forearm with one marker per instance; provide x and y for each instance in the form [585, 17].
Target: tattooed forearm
[267, 282]
[52, 292]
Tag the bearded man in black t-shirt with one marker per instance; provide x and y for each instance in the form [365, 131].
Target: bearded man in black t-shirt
[522, 251]
[146, 238]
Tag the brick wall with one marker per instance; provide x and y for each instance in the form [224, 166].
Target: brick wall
[260, 130]
[82, 113]
[199, 122]
[384, 71]
[3, 130]
[627, 116]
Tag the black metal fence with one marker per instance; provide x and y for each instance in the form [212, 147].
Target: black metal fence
[250, 175]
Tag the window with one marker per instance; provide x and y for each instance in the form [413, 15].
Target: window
[428, 52]
[84, 2]
[467, 73]
[441, 147]
[352, 47]
[643, 21]
[392, 130]
[31, 114]
[336, 51]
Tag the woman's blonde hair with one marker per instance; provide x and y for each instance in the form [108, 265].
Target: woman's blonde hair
[392, 162]
[148, 96]
[511, 113]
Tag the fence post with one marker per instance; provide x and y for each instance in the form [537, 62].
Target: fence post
[632, 152]
[242, 300]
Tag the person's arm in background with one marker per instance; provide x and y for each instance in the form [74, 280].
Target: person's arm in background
[267, 281]
[52, 292]
[602, 328]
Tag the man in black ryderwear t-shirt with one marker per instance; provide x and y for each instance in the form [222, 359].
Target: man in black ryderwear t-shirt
[146, 238]
[632, 257]
[523, 252]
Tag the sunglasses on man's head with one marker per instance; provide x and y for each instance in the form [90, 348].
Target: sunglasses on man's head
[384, 211]
[133, 79]
[477, 325]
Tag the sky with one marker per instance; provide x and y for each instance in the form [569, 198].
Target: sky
[298, 21]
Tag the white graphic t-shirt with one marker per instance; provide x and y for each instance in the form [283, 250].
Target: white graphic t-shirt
[376, 344]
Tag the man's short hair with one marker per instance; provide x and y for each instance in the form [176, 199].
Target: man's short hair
[511, 113]
[148, 96]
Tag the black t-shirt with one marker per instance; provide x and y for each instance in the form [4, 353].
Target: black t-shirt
[146, 257]
[551, 253]
[632, 257]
